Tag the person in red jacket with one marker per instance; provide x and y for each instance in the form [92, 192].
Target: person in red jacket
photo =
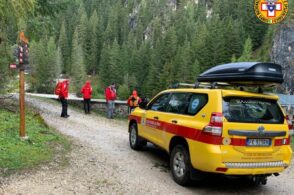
[110, 96]
[63, 95]
[87, 94]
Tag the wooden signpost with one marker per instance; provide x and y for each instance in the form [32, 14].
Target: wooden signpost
[22, 54]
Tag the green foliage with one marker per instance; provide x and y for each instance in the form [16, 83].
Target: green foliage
[78, 70]
[123, 92]
[247, 51]
[45, 67]
[3, 67]
[98, 88]
[93, 44]
[147, 45]
[39, 148]
[10, 14]
[64, 49]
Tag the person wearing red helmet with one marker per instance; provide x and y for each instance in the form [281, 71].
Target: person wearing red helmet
[87, 94]
[133, 101]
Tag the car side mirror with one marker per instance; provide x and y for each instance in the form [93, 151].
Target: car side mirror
[143, 105]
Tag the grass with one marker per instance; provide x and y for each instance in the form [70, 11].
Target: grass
[40, 147]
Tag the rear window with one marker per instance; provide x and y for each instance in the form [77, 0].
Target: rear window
[252, 110]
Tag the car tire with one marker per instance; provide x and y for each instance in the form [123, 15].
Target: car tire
[180, 165]
[136, 142]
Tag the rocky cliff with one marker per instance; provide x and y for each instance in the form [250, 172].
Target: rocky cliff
[283, 53]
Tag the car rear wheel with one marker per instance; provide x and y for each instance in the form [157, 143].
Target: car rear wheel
[180, 165]
[136, 142]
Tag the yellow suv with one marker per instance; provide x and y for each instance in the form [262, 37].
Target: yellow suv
[217, 130]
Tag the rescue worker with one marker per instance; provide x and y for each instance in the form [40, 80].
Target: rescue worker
[87, 93]
[133, 101]
[63, 95]
[110, 96]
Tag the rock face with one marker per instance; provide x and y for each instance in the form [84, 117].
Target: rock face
[283, 53]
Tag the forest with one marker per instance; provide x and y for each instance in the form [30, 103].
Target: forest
[138, 44]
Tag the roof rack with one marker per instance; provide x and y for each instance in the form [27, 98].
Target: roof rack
[222, 85]
[208, 85]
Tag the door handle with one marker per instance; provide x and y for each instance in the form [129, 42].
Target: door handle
[174, 121]
[156, 117]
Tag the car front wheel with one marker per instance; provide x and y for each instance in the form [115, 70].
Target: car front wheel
[136, 142]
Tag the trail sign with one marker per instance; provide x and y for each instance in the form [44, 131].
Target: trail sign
[12, 66]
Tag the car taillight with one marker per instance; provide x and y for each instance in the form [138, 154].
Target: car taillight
[215, 126]
[290, 125]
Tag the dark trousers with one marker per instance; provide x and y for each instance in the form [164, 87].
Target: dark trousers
[64, 107]
[87, 106]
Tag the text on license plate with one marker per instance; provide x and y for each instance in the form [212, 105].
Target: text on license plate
[258, 142]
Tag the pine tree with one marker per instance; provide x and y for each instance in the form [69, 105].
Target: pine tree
[83, 32]
[115, 67]
[93, 44]
[78, 70]
[53, 71]
[59, 63]
[4, 60]
[247, 51]
[152, 86]
[232, 39]
[166, 79]
[199, 47]
[141, 64]
[43, 79]
[111, 32]
[33, 64]
[170, 45]
[103, 66]
[215, 43]
[65, 51]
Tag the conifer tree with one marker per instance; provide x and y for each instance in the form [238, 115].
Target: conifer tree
[65, 51]
[53, 69]
[83, 32]
[166, 79]
[104, 64]
[199, 46]
[33, 64]
[247, 51]
[78, 71]
[215, 43]
[4, 60]
[59, 62]
[43, 79]
[152, 81]
[93, 44]
[115, 63]
[170, 45]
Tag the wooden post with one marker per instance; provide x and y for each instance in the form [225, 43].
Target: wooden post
[22, 125]
[22, 52]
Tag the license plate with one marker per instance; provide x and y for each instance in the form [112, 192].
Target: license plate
[258, 142]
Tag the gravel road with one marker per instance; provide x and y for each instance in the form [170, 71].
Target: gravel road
[101, 162]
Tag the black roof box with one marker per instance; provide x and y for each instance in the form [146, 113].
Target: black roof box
[252, 73]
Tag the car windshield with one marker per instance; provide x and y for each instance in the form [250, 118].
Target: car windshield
[252, 110]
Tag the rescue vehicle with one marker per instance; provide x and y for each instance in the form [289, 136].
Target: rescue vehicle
[216, 126]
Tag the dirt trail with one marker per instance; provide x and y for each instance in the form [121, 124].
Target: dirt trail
[102, 162]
